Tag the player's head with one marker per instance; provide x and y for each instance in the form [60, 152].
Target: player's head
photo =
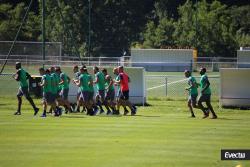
[52, 69]
[187, 73]
[18, 65]
[95, 69]
[115, 71]
[47, 71]
[83, 70]
[75, 68]
[104, 71]
[203, 70]
[120, 69]
[58, 70]
[41, 71]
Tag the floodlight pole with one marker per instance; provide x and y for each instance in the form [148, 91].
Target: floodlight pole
[89, 36]
[43, 31]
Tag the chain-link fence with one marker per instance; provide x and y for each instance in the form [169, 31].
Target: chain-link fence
[173, 86]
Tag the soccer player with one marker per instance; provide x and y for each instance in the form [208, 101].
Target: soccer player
[47, 87]
[110, 92]
[54, 91]
[100, 84]
[124, 95]
[21, 76]
[117, 78]
[77, 75]
[193, 92]
[205, 95]
[83, 83]
[64, 85]
[91, 96]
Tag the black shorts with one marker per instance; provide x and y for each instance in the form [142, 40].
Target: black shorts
[101, 94]
[85, 96]
[23, 92]
[192, 99]
[91, 95]
[205, 98]
[47, 97]
[64, 94]
[124, 95]
[110, 95]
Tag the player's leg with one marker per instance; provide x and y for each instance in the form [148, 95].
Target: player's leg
[190, 106]
[65, 93]
[210, 108]
[128, 103]
[27, 96]
[100, 99]
[112, 101]
[107, 102]
[45, 102]
[202, 98]
[19, 100]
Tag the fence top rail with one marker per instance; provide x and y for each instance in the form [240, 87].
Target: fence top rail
[29, 42]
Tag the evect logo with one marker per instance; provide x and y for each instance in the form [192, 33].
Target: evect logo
[239, 155]
[235, 154]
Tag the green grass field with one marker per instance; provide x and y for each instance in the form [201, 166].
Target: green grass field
[160, 135]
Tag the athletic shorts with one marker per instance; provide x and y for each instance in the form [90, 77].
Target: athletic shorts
[85, 96]
[192, 99]
[91, 95]
[58, 94]
[124, 95]
[110, 95]
[53, 97]
[101, 94]
[205, 98]
[64, 94]
[47, 97]
[23, 91]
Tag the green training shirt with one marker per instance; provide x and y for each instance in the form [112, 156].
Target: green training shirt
[101, 81]
[84, 80]
[54, 83]
[22, 74]
[107, 84]
[117, 78]
[203, 81]
[193, 90]
[65, 84]
[47, 86]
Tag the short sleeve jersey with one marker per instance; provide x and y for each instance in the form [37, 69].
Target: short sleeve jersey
[47, 80]
[84, 80]
[117, 78]
[101, 81]
[111, 88]
[203, 82]
[193, 90]
[22, 78]
[124, 81]
[65, 84]
[54, 83]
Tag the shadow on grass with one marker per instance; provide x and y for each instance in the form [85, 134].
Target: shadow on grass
[74, 116]
[229, 119]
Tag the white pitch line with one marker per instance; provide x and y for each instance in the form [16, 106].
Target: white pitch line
[170, 83]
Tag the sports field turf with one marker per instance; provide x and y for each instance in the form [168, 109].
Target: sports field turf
[160, 135]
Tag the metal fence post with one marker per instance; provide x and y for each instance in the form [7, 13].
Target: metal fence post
[166, 82]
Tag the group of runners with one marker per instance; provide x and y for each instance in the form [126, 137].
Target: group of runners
[205, 94]
[55, 88]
